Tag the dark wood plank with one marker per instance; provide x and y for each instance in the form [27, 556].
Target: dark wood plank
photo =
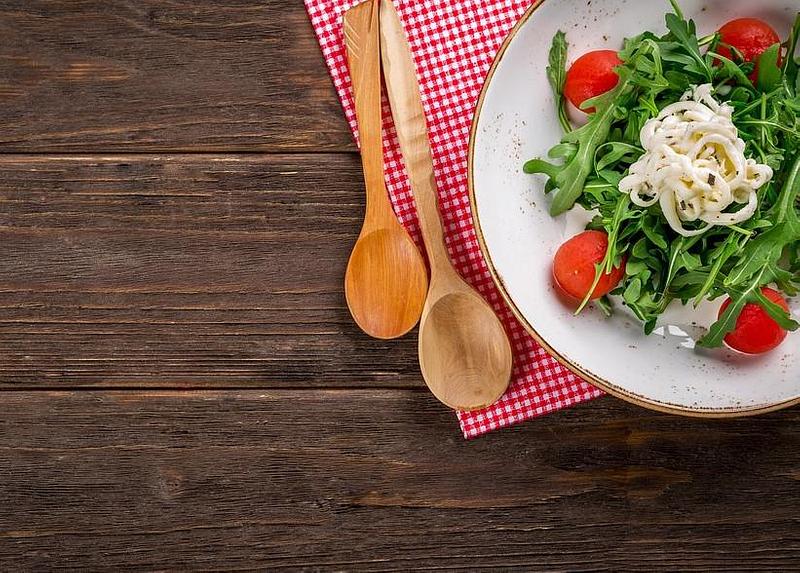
[184, 271]
[381, 480]
[151, 75]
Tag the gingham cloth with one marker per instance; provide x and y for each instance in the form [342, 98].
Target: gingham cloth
[454, 42]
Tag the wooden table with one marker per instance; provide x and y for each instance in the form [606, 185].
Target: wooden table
[183, 386]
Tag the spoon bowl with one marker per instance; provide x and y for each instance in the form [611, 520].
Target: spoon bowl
[385, 283]
[386, 280]
[464, 353]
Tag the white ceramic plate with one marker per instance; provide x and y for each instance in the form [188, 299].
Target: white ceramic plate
[515, 121]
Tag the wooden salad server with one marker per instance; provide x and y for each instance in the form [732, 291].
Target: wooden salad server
[464, 352]
[386, 279]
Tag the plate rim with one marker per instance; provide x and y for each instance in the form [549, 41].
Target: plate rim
[606, 386]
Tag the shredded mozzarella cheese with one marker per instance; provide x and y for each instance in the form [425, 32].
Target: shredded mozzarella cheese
[694, 165]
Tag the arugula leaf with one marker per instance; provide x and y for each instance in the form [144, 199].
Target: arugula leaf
[775, 312]
[541, 166]
[727, 321]
[689, 279]
[685, 33]
[605, 305]
[557, 73]
[613, 152]
[677, 81]
[739, 298]
[730, 70]
[785, 207]
[570, 177]
[768, 247]
[728, 248]
[677, 53]
[769, 74]
[790, 63]
[654, 231]
[633, 291]
[640, 249]
[563, 151]
[612, 256]
[677, 9]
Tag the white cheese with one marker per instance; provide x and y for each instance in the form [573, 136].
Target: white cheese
[694, 165]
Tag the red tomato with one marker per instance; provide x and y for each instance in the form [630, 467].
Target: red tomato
[750, 36]
[590, 76]
[573, 266]
[755, 331]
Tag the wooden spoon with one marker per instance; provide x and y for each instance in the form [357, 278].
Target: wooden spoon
[463, 350]
[386, 278]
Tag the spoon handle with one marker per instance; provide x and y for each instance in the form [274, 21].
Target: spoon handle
[362, 42]
[412, 133]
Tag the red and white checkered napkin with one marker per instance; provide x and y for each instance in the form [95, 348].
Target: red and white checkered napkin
[454, 42]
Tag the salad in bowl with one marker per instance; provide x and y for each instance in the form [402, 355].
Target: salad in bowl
[637, 163]
[681, 153]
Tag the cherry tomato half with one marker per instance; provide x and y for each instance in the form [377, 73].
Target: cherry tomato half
[574, 266]
[755, 331]
[590, 76]
[750, 36]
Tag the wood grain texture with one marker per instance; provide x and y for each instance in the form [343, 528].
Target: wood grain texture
[184, 270]
[168, 270]
[103, 75]
[380, 480]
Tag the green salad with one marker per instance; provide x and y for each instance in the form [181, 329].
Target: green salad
[690, 165]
